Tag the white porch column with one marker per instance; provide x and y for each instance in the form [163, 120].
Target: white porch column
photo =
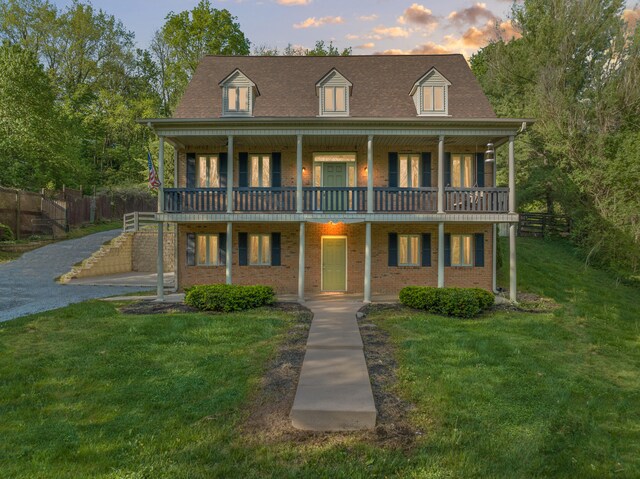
[370, 174]
[301, 252]
[299, 203]
[441, 174]
[512, 263]
[160, 256]
[229, 252]
[229, 180]
[367, 263]
[441, 255]
[494, 260]
[512, 176]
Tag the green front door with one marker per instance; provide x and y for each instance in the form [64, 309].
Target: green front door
[334, 175]
[334, 264]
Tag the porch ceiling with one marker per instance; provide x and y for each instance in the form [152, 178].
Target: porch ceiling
[347, 142]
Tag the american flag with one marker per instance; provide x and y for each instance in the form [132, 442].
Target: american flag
[154, 182]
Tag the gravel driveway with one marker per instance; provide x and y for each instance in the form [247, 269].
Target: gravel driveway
[27, 284]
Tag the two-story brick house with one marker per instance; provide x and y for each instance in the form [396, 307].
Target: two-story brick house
[357, 174]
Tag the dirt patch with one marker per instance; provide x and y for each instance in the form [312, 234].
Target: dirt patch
[268, 413]
[529, 303]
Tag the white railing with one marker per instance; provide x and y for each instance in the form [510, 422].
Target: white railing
[133, 221]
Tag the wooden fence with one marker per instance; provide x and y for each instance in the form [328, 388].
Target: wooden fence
[543, 224]
[53, 212]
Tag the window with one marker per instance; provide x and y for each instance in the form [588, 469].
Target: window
[260, 249]
[433, 99]
[409, 171]
[238, 99]
[335, 99]
[462, 171]
[430, 94]
[461, 252]
[409, 250]
[260, 171]
[207, 250]
[208, 172]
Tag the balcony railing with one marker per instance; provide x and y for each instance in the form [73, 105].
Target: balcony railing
[476, 200]
[334, 199]
[403, 200]
[338, 199]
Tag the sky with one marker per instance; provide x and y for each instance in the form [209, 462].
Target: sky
[368, 26]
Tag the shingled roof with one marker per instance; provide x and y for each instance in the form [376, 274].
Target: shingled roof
[287, 85]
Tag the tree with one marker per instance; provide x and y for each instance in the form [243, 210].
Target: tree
[323, 50]
[320, 50]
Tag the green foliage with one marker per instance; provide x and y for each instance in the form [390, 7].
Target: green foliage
[580, 79]
[458, 302]
[5, 233]
[321, 49]
[229, 297]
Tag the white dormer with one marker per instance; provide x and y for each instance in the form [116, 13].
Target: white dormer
[238, 94]
[431, 94]
[333, 92]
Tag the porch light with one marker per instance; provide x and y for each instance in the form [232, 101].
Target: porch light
[489, 155]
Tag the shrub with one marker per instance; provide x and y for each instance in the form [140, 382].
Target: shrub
[458, 302]
[5, 233]
[228, 297]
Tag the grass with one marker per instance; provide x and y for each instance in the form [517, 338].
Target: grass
[8, 256]
[88, 392]
[94, 228]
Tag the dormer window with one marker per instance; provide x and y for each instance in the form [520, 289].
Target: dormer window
[333, 91]
[431, 94]
[238, 95]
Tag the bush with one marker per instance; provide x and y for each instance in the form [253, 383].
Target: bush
[228, 297]
[5, 233]
[458, 302]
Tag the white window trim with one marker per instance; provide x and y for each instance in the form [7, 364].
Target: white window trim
[409, 161]
[471, 250]
[417, 253]
[209, 158]
[261, 261]
[352, 166]
[433, 78]
[333, 79]
[237, 79]
[208, 239]
[474, 172]
[260, 169]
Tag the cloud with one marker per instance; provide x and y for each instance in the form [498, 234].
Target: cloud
[478, 13]
[351, 36]
[418, 14]
[366, 46]
[289, 3]
[368, 18]
[312, 22]
[632, 17]
[381, 32]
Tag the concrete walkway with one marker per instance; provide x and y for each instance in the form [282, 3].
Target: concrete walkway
[27, 284]
[334, 391]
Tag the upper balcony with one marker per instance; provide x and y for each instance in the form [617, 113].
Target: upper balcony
[335, 200]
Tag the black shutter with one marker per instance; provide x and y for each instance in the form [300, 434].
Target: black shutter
[393, 170]
[426, 249]
[480, 170]
[243, 169]
[275, 249]
[242, 249]
[393, 249]
[191, 249]
[447, 249]
[222, 249]
[479, 255]
[191, 170]
[276, 170]
[426, 170]
[223, 169]
[447, 169]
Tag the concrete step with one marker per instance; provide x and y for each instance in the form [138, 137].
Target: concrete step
[334, 392]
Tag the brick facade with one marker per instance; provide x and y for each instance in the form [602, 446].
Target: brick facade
[384, 279]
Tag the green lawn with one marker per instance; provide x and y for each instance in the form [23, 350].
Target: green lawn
[88, 392]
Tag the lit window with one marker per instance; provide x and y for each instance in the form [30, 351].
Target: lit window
[409, 250]
[208, 172]
[461, 250]
[433, 99]
[238, 98]
[409, 171]
[335, 99]
[260, 171]
[461, 171]
[207, 250]
[260, 249]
